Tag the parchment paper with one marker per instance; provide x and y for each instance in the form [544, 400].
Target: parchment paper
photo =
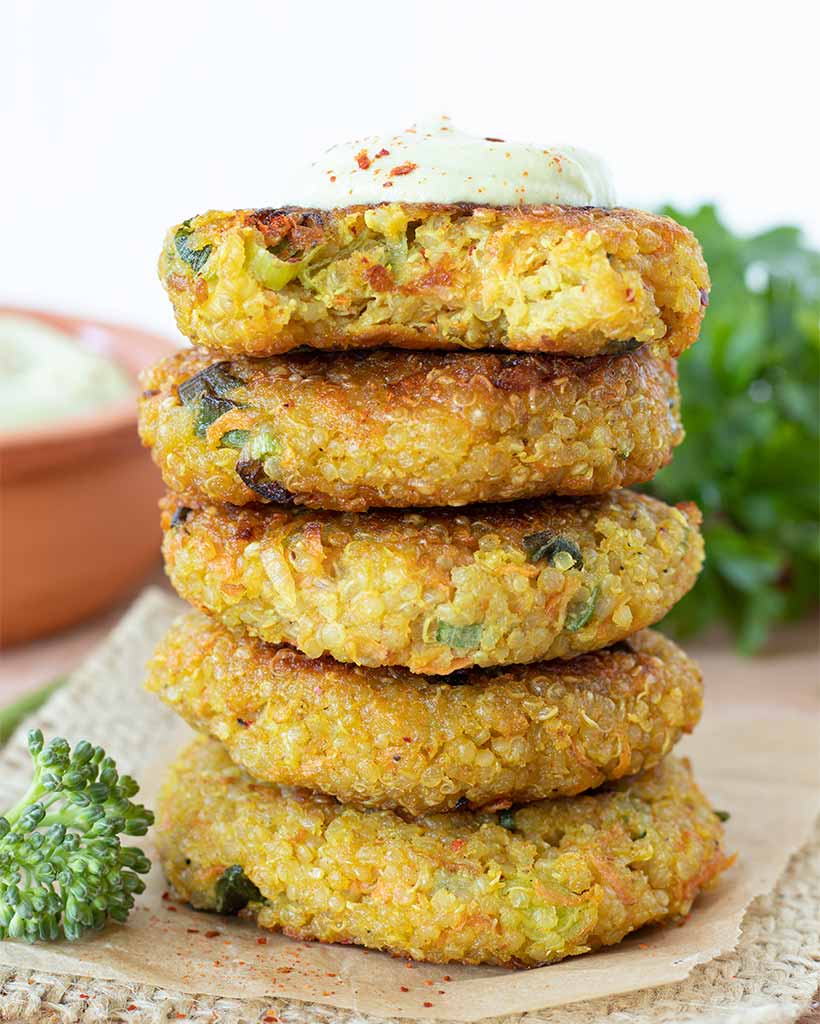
[760, 764]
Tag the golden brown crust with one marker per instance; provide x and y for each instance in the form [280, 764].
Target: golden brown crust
[549, 880]
[350, 431]
[424, 744]
[438, 590]
[556, 279]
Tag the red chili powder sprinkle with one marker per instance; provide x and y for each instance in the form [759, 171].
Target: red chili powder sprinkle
[402, 169]
[381, 153]
[193, 931]
[261, 941]
[404, 988]
[426, 1004]
[333, 177]
[362, 159]
[446, 978]
[131, 1006]
[212, 934]
[457, 844]
[172, 910]
[387, 184]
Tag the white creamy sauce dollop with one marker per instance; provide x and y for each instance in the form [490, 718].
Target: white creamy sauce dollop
[435, 163]
[46, 376]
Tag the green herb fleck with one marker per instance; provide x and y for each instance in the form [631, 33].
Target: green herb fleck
[723, 815]
[506, 819]
[458, 637]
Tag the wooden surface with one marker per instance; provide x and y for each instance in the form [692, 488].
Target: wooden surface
[794, 652]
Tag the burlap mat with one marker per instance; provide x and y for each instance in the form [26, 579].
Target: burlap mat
[769, 978]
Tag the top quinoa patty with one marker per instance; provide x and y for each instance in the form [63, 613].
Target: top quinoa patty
[578, 281]
[357, 430]
[438, 590]
[549, 880]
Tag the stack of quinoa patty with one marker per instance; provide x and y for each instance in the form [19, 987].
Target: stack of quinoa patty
[432, 718]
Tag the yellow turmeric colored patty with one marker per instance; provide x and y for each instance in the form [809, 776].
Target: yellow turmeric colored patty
[387, 738]
[578, 281]
[438, 590]
[523, 887]
[350, 431]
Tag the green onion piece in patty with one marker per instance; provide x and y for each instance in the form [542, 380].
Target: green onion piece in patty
[270, 271]
[234, 890]
[234, 439]
[263, 444]
[207, 390]
[208, 411]
[578, 617]
[459, 637]
[195, 258]
[558, 551]
[214, 380]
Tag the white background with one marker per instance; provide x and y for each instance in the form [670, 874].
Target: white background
[120, 119]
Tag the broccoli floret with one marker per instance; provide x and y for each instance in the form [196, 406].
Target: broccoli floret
[63, 870]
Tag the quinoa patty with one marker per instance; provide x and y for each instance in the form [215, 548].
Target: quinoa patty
[387, 738]
[579, 281]
[407, 429]
[519, 888]
[442, 589]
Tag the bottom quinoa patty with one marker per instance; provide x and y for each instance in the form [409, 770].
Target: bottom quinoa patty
[520, 888]
[387, 738]
[438, 590]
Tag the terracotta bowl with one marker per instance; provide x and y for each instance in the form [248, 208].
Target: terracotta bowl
[79, 525]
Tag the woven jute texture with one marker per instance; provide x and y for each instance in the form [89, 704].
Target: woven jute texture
[769, 978]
